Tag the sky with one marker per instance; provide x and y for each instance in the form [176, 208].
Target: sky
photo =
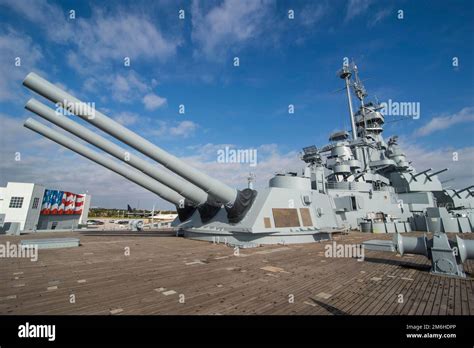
[288, 52]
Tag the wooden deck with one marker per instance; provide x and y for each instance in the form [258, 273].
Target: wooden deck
[162, 270]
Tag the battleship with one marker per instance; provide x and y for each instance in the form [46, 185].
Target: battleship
[286, 238]
[225, 171]
[358, 181]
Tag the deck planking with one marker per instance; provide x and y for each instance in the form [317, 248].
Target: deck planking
[161, 269]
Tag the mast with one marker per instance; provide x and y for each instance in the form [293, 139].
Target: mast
[345, 74]
[360, 92]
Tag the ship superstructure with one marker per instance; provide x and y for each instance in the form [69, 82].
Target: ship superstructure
[375, 187]
[357, 181]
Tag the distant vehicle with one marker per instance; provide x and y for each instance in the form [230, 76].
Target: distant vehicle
[156, 216]
[134, 212]
[112, 221]
[122, 222]
[94, 222]
[165, 217]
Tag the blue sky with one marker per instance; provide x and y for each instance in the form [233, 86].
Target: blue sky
[282, 61]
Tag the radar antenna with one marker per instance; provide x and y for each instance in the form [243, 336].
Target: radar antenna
[359, 91]
[251, 179]
[345, 74]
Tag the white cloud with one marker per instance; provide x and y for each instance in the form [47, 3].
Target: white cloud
[153, 101]
[356, 8]
[13, 45]
[182, 129]
[91, 84]
[11, 129]
[312, 14]
[227, 25]
[125, 87]
[122, 87]
[113, 35]
[444, 122]
[379, 16]
[91, 41]
[126, 118]
[50, 17]
[75, 61]
[122, 34]
[461, 171]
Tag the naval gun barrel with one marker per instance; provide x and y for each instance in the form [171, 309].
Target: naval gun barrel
[465, 189]
[429, 176]
[131, 174]
[359, 175]
[414, 176]
[215, 188]
[184, 188]
[456, 193]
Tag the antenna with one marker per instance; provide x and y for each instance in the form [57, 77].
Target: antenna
[376, 100]
[359, 88]
[360, 92]
[346, 74]
[251, 179]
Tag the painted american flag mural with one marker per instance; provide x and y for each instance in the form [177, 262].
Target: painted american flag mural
[61, 202]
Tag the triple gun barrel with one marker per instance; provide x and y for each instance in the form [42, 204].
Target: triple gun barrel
[190, 189]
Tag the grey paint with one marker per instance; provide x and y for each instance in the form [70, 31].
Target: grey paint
[439, 250]
[364, 182]
[213, 187]
[58, 222]
[184, 188]
[139, 178]
[50, 243]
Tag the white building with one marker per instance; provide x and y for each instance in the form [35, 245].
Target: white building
[38, 208]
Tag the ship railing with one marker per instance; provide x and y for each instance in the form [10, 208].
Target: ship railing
[356, 186]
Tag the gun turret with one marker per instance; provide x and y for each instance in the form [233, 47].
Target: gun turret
[198, 188]
[222, 192]
[133, 175]
[184, 188]
[414, 176]
[429, 176]
[468, 189]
